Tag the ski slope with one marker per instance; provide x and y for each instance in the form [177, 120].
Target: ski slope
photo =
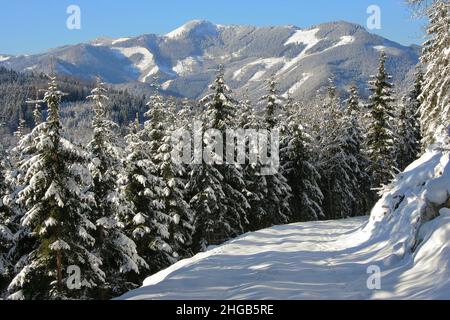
[407, 239]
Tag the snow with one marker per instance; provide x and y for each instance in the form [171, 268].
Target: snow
[380, 48]
[306, 37]
[166, 84]
[152, 72]
[332, 259]
[345, 40]
[4, 58]
[120, 40]
[145, 63]
[446, 52]
[204, 27]
[177, 33]
[266, 63]
[297, 85]
[139, 219]
[257, 76]
[186, 66]
[388, 50]
[59, 245]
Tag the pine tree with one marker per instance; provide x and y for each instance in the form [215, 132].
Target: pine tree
[116, 251]
[216, 189]
[435, 96]
[380, 136]
[57, 215]
[300, 170]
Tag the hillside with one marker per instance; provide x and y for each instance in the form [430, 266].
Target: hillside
[186, 60]
[407, 237]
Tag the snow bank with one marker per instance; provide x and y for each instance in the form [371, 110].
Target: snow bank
[413, 219]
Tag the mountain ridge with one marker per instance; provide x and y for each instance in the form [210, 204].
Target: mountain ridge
[186, 59]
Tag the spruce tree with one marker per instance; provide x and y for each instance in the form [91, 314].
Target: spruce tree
[336, 182]
[217, 189]
[57, 214]
[248, 119]
[435, 96]
[174, 223]
[274, 188]
[6, 235]
[37, 114]
[21, 128]
[353, 146]
[272, 104]
[142, 189]
[116, 251]
[300, 170]
[380, 136]
[413, 108]
[406, 143]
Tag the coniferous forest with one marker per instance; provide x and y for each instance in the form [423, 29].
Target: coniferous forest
[88, 185]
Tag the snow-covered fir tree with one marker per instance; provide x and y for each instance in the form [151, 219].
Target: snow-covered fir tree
[273, 104]
[435, 96]
[413, 103]
[21, 128]
[6, 235]
[37, 113]
[116, 251]
[380, 135]
[142, 189]
[300, 170]
[217, 189]
[248, 119]
[275, 190]
[336, 163]
[57, 214]
[353, 146]
[406, 143]
[175, 221]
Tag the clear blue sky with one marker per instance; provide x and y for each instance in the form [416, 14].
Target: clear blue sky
[32, 26]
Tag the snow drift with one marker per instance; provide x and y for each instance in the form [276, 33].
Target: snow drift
[407, 237]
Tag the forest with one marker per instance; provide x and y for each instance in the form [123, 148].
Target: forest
[87, 181]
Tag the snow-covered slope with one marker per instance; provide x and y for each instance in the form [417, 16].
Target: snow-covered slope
[407, 237]
[186, 59]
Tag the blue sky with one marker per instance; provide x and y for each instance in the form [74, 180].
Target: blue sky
[32, 26]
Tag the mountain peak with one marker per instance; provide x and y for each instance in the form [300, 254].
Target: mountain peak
[198, 27]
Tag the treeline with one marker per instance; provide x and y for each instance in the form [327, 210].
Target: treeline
[91, 221]
[17, 87]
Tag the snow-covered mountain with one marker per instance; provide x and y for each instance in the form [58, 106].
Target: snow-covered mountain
[406, 240]
[186, 59]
